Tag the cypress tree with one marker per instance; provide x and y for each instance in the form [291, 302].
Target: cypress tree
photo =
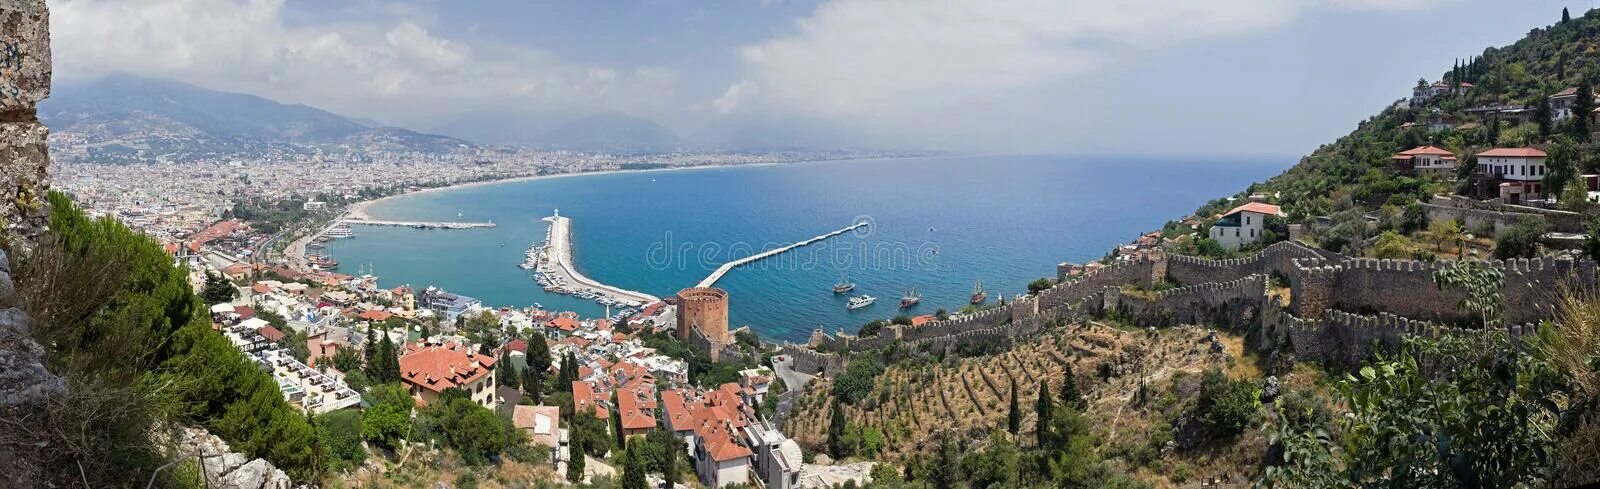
[505, 373]
[370, 354]
[1542, 112]
[1044, 408]
[1565, 16]
[1582, 109]
[616, 418]
[533, 385]
[836, 426]
[1014, 418]
[669, 462]
[575, 465]
[1069, 389]
[633, 469]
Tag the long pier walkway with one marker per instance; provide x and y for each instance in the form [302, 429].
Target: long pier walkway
[566, 278]
[419, 224]
[729, 266]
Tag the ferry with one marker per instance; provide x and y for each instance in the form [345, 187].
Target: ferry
[340, 231]
[978, 294]
[861, 301]
[844, 284]
[910, 299]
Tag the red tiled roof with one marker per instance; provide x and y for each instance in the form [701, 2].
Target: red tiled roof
[565, 323]
[271, 334]
[585, 397]
[260, 288]
[518, 345]
[1256, 207]
[923, 319]
[633, 415]
[1513, 153]
[437, 368]
[1427, 150]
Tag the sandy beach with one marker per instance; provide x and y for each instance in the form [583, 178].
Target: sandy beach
[359, 210]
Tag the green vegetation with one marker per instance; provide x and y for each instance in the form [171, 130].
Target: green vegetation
[134, 342]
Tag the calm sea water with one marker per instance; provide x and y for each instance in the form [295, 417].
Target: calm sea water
[939, 224]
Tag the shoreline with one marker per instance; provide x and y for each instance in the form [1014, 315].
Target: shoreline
[359, 210]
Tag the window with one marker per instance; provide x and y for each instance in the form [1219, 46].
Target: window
[1252, 232]
[1247, 219]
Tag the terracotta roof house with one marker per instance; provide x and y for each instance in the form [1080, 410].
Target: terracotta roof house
[585, 398]
[1243, 225]
[428, 371]
[542, 423]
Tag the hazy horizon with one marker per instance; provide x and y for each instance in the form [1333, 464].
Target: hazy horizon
[1236, 77]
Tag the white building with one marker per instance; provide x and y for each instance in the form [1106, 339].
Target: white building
[1519, 170]
[1425, 160]
[1242, 225]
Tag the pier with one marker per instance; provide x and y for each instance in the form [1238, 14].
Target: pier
[561, 276]
[419, 224]
[729, 266]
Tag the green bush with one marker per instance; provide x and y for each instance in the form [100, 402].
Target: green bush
[1226, 406]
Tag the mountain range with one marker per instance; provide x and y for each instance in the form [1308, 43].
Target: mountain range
[124, 118]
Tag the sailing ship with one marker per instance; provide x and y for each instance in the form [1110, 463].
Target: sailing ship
[844, 284]
[978, 294]
[910, 299]
[861, 301]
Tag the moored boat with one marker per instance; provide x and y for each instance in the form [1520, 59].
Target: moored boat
[978, 294]
[910, 299]
[861, 301]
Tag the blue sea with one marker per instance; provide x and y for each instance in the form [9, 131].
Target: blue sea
[938, 224]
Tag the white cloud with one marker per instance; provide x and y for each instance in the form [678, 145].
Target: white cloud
[882, 60]
[389, 65]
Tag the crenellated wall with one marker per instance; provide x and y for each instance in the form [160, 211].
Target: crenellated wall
[1406, 287]
[1275, 258]
[1233, 304]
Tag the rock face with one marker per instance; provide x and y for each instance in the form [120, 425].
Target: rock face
[25, 385]
[24, 160]
[231, 470]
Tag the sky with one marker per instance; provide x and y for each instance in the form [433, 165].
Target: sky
[1149, 77]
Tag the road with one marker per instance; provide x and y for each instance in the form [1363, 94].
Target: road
[793, 382]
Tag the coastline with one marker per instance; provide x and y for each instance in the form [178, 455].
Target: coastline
[359, 210]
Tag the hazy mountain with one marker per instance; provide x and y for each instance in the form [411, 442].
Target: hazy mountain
[776, 134]
[163, 117]
[598, 132]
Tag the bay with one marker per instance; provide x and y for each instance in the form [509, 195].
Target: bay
[938, 224]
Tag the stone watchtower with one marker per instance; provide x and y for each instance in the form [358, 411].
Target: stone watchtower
[704, 309]
[24, 158]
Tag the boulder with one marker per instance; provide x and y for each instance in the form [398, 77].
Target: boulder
[253, 475]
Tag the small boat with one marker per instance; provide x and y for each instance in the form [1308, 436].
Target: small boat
[910, 299]
[861, 301]
[844, 284]
[978, 294]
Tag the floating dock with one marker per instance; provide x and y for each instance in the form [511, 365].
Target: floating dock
[729, 266]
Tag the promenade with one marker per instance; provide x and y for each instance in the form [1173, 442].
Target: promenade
[729, 266]
[563, 277]
[418, 224]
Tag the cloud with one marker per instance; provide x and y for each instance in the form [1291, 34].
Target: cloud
[386, 64]
[898, 61]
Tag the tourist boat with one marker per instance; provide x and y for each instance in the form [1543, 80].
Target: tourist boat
[978, 294]
[844, 284]
[910, 299]
[861, 301]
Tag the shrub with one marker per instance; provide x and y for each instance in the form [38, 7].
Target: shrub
[1226, 406]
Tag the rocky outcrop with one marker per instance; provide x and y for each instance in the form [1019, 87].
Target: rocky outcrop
[226, 469]
[24, 158]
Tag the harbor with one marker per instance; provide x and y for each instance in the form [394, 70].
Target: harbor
[418, 224]
[553, 269]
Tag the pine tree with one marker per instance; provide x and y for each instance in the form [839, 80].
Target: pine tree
[943, 473]
[1044, 407]
[1014, 418]
[575, 465]
[633, 470]
[1069, 389]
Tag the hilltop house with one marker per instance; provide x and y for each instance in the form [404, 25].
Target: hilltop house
[429, 370]
[1242, 225]
[1422, 94]
[543, 426]
[1561, 104]
[1425, 160]
[1519, 171]
[448, 305]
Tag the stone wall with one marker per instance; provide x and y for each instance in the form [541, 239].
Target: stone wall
[809, 361]
[1344, 338]
[24, 159]
[1476, 213]
[1406, 287]
[1275, 258]
[1123, 272]
[1231, 304]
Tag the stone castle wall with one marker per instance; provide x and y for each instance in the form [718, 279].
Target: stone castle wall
[1275, 258]
[1475, 213]
[1233, 304]
[1406, 287]
[1123, 272]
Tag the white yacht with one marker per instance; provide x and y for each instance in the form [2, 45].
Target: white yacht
[861, 301]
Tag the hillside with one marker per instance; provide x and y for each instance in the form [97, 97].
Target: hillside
[128, 118]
